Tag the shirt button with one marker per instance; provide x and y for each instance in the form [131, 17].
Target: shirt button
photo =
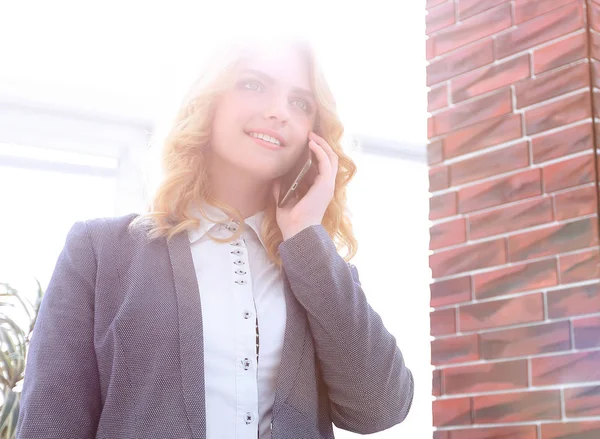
[249, 418]
[247, 314]
[246, 363]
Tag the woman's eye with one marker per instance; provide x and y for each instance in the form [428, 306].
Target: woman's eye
[253, 85]
[301, 104]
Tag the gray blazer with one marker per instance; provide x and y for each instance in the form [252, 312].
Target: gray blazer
[117, 349]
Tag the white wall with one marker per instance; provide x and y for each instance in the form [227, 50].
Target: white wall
[389, 202]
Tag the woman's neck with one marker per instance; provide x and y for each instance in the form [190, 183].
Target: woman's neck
[232, 186]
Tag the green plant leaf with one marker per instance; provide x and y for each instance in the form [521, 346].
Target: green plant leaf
[14, 344]
[7, 412]
[7, 369]
[11, 348]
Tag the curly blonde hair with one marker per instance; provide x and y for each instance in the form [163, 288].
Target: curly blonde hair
[183, 156]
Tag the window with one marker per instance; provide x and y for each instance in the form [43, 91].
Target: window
[44, 192]
[58, 166]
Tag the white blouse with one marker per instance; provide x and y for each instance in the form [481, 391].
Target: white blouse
[244, 318]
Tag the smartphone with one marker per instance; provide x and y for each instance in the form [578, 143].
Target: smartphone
[299, 179]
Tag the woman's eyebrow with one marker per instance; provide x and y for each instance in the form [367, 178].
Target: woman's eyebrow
[271, 80]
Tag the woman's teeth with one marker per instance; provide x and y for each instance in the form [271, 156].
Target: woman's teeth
[266, 138]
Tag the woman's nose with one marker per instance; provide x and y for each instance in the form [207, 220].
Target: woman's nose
[278, 108]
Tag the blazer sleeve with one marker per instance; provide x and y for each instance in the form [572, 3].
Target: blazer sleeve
[61, 391]
[370, 388]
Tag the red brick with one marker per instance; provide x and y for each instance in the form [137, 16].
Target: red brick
[587, 332]
[438, 178]
[511, 432]
[517, 407]
[528, 9]
[488, 107]
[568, 173]
[432, 3]
[500, 191]
[552, 84]
[571, 430]
[429, 49]
[435, 152]
[497, 313]
[552, 240]
[468, 257]
[515, 279]
[595, 72]
[584, 299]
[430, 127]
[481, 135]
[451, 291]
[594, 15]
[442, 322]
[490, 78]
[492, 163]
[440, 17]
[447, 233]
[437, 97]
[460, 61]
[468, 8]
[558, 113]
[582, 401]
[481, 25]
[436, 382]
[441, 206]
[441, 434]
[455, 411]
[561, 53]
[507, 219]
[562, 143]
[487, 377]
[528, 340]
[566, 368]
[580, 266]
[455, 349]
[595, 44]
[575, 203]
[540, 30]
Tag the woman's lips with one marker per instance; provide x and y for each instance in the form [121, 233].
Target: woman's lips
[264, 143]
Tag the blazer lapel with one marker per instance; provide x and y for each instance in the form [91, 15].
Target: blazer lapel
[192, 344]
[191, 341]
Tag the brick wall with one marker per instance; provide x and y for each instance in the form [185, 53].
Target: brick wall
[514, 234]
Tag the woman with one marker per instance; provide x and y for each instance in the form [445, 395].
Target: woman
[218, 314]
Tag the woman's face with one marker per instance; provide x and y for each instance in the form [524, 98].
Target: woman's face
[271, 95]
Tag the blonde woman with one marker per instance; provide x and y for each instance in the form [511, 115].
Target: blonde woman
[217, 313]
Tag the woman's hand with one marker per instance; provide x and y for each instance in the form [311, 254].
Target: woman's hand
[310, 209]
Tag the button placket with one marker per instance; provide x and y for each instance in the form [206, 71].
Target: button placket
[246, 367]
[239, 252]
